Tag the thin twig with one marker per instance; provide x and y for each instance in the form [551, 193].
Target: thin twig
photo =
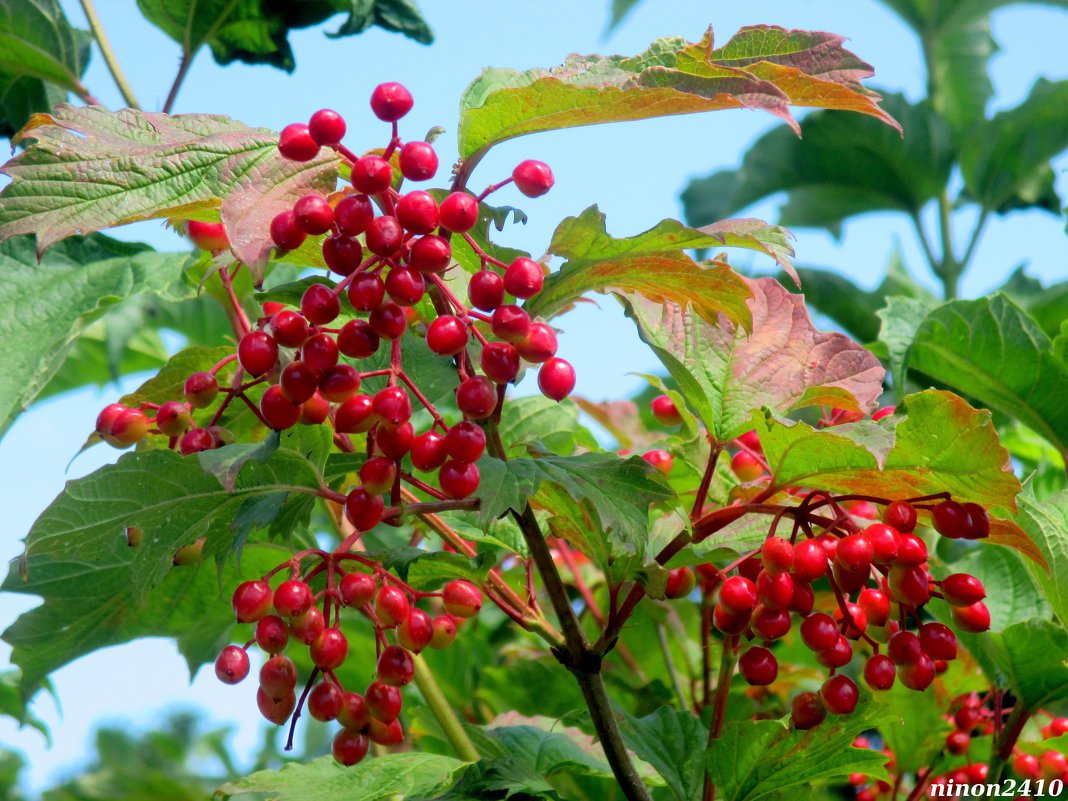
[109, 54]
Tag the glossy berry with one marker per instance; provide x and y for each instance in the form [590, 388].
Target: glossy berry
[1053, 764]
[533, 178]
[315, 410]
[810, 561]
[405, 287]
[879, 672]
[746, 466]
[660, 459]
[232, 665]
[500, 362]
[900, 515]
[277, 711]
[855, 552]
[354, 416]
[314, 214]
[372, 175]
[729, 622]
[839, 695]
[391, 101]
[524, 278]
[128, 427]
[392, 406]
[395, 442]
[837, 656]
[444, 632]
[556, 378]
[395, 666]
[905, 648]
[876, 606]
[285, 232]
[804, 598]
[462, 598]
[430, 254]
[738, 595]
[195, 441]
[388, 321]
[349, 747]
[339, 383]
[384, 236]
[383, 701]
[777, 555]
[278, 677]
[775, 592]
[957, 742]
[665, 411]
[1026, 766]
[319, 352]
[770, 624]
[980, 520]
[366, 292]
[819, 631]
[447, 335]
[465, 442]
[319, 304]
[883, 540]
[391, 605]
[357, 589]
[952, 520]
[416, 631]
[309, 626]
[353, 214]
[919, 674]
[353, 714]
[357, 340]
[277, 410]
[377, 475]
[458, 212]
[326, 127]
[974, 618]
[207, 236]
[510, 323]
[272, 634]
[939, 641]
[292, 598]
[680, 583]
[758, 666]
[297, 144]
[363, 509]
[324, 701]
[251, 601]
[962, 589]
[486, 290]
[807, 711]
[418, 161]
[329, 650]
[257, 352]
[385, 733]
[909, 585]
[458, 480]
[418, 212]
[289, 329]
[476, 397]
[911, 551]
[428, 451]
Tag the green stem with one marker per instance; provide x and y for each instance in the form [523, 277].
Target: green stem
[973, 241]
[676, 680]
[109, 54]
[728, 658]
[443, 711]
[1001, 750]
[950, 268]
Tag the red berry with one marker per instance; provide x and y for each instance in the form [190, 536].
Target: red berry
[883, 539]
[353, 714]
[272, 634]
[232, 665]
[665, 411]
[807, 711]
[886, 411]
[309, 626]
[911, 551]
[395, 442]
[372, 175]
[465, 442]
[775, 592]
[939, 641]
[909, 585]
[680, 583]
[876, 606]
[855, 553]
[879, 672]
[428, 451]
[840, 695]
[919, 674]
[510, 323]
[729, 622]
[395, 666]
[278, 411]
[329, 650]
[758, 666]
[356, 589]
[524, 278]
[476, 397]
[392, 406]
[298, 382]
[444, 632]
[257, 352]
[289, 328]
[819, 632]
[383, 701]
[462, 598]
[770, 624]
[405, 286]
[980, 522]
[962, 589]
[277, 711]
[319, 352]
[952, 520]
[251, 601]
[195, 441]
[556, 378]
[173, 418]
[207, 236]
[905, 648]
[296, 143]
[430, 254]
[314, 410]
[1057, 727]
[292, 598]
[418, 212]
[1053, 764]
[285, 233]
[349, 747]
[957, 742]
[389, 321]
[1026, 766]
[324, 701]
[458, 212]
[363, 509]
[384, 236]
[486, 290]
[326, 127]
[354, 416]
[385, 733]
[839, 655]
[416, 631]
[458, 479]
[746, 466]
[110, 413]
[900, 515]
[319, 304]
[810, 562]
[533, 178]
[738, 595]
[974, 618]
[377, 475]
[804, 598]
[353, 214]
[418, 161]
[447, 335]
[356, 339]
[500, 362]
[391, 101]
[777, 555]
[314, 214]
[278, 677]
[391, 606]
[339, 383]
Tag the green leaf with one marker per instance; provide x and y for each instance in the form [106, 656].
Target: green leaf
[760, 67]
[1031, 655]
[384, 777]
[756, 759]
[991, 350]
[783, 364]
[1012, 596]
[257, 31]
[90, 603]
[652, 264]
[900, 320]
[47, 306]
[426, 570]
[40, 54]
[1005, 162]
[13, 704]
[539, 423]
[1047, 305]
[915, 729]
[620, 9]
[844, 165]
[1046, 522]
[88, 169]
[667, 739]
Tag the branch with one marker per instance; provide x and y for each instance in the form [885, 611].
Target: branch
[109, 54]
[183, 68]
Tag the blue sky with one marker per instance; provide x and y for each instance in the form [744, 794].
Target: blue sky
[633, 171]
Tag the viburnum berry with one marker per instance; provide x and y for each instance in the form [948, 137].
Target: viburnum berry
[917, 675]
[292, 598]
[807, 711]
[660, 459]
[533, 178]
[909, 585]
[278, 677]
[804, 598]
[1056, 728]
[357, 589]
[839, 694]
[556, 378]
[314, 214]
[232, 665]
[395, 666]
[911, 551]
[524, 278]
[974, 618]
[876, 606]
[447, 335]
[372, 175]
[819, 631]
[258, 352]
[416, 631]
[746, 466]
[391, 606]
[324, 701]
[855, 553]
[363, 509]
[810, 562]
[1026, 766]
[309, 626]
[510, 323]
[357, 340]
[349, 747]
[289, 329]
[383, 701]
[384, 235]
[391, 101]
[444, 632]
[1053, 764]
[462, 598]
[385, 733]
[680, 583]
[962, 589]
[127, 427]
[430, 254]
[405, 287]
[377, 474]
[319, 304]
[329, 650]
[394, 442]
[354, 416]
[296, 143]
[758, 666]
[665, 411]
[500, 362]
[272, 634]
[458, 480]
[207, 235]
[200, 390]
[939, 641]
[418, 212]
[252, 601]
[195, 441]
[278, 411]
[428, 451]
[418, 161]
[465, 442]
[905, 648]
[980, 520]
[738, 595]
[476, 397]
[392, 406]
[388, 321]
[770, 624]
[879, 672]
[339, 383]
[278, 710]
[458, 212]
[353, 714]
[775, 591]
[883, 540]
[957, 742]
[951, 520]
[900, 515]
[298, 381]
[777, 555]
[730, 622]
[486, 290]
[285, 232]
[326, 127]
[353, 214]
[838, 655]
[319, 352]
[314, 410]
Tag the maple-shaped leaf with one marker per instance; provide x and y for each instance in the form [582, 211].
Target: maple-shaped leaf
[88, 168]
[782, 363]
[761, 67]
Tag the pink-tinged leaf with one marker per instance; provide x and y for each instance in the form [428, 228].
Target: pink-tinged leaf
[87, 169]
[772, 240]
[785, 363]
[620, 419]
[764, 68]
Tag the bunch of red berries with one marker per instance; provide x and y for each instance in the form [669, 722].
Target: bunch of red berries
[297, 610]
[1050, 765]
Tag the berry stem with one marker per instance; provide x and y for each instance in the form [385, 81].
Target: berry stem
[215, 368]
[300, 707]
[179, 78]
[706, 482]
[1005, 741]
[238, 317]
[727, 661]
[444, 714]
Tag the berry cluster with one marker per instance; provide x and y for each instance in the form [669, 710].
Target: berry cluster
[295, 610]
